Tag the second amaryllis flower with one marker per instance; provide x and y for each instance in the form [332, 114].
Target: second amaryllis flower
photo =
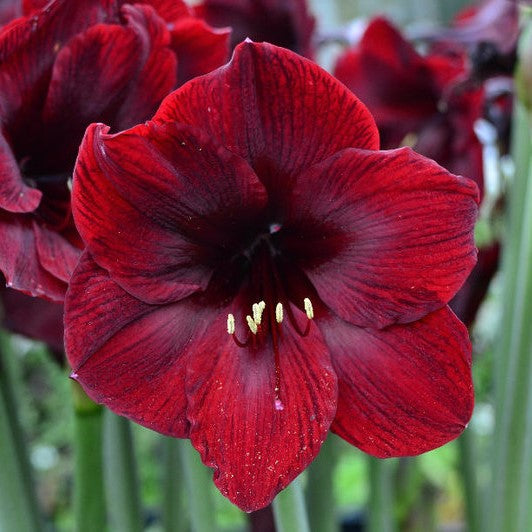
[257, 273]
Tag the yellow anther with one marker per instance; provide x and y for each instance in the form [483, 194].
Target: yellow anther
[258, 309]
[308, 308]
[279, 313]
[251, 324]
[230, 324]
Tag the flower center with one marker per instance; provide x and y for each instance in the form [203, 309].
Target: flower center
[261, 323]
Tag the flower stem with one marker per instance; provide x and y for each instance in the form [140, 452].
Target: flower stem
[199, 488]
[18, 504]
[381, 514]
[319, 492]
[89, 496]
[469, 480]
[121, 478]
[509, 503]
[289, 509]
[175, 516]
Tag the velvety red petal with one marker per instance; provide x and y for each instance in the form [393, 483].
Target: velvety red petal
[276, 109]
[56, 254]
[169, 10]
[126, 354]
[19, 260]
[15, 196]
[405, 389]
[107, 73]
[30, 6]
[384, 236]
[199, 47]
[156, 205]
[255, 448]
[155, 77]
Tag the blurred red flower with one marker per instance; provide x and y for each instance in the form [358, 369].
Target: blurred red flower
[286, 23]
[257, 273]
[432, 103]
[63, 67]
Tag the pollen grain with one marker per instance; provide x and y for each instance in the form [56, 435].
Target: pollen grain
[230, 324]
[309, 309]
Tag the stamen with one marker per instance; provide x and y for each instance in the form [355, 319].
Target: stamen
[230, 324]
[279, 313]
[308, 308]
[258, 309]
[251, 324]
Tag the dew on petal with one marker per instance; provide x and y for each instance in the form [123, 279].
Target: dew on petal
[279, 404]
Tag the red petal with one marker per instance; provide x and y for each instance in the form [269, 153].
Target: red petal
[15, 196]
[164, 245]
[56, 254]
[126, 354]
[33, 317]
[169, 10]
[385, 237]
[156, 73]
[20, 262]
[112, 72]
[199, 47]
[255, 449]
[405, 389]
[29, 6]
[274, 108]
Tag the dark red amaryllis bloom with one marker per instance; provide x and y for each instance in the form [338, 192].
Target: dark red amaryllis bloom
[257, 273]
[286, 23]
[63, 67]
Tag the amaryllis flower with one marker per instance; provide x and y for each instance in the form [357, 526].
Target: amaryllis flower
[287, 23]
[257, 273]
[63, 67]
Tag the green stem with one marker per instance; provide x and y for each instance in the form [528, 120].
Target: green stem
[319, 492]
[469, 480]
[121, 478]
[198, 485]
[513, 431]
[175, 516]
[18, 504]
[89, 496]
[509, 503]
[289, 509]
[381, 514]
